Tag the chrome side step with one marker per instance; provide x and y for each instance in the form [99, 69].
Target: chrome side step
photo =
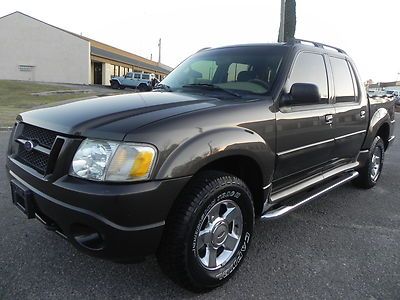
[283, 210]
[288, 192]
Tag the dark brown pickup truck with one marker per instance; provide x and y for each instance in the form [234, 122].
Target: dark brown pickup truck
[232, 134]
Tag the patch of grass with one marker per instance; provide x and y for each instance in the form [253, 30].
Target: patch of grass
[16, 97]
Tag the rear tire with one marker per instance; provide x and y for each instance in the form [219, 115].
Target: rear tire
[208, 231]
[372, 170]
[142, 87]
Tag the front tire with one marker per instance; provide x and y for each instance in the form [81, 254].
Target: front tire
[372, 170]
[115, 85]
[208, 232]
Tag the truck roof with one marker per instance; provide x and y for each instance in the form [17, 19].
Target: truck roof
[296, 43]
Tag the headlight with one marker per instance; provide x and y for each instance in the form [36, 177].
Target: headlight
[113, 161]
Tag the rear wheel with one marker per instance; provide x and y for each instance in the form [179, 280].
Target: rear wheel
[208, 231]
[142, 87]
[371, 172]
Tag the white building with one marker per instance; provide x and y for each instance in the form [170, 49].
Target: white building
[34, 50]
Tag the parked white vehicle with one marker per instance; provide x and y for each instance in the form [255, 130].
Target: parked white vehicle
[141, 81]
[393, 93]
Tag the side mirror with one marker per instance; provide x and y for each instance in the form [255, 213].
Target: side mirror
[302, 93]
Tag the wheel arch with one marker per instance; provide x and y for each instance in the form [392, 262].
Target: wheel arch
[245, 168]
[379, 125]
[236, 150]
[115, 79]
[384, 133]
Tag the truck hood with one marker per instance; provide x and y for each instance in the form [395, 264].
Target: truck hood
[115, 116]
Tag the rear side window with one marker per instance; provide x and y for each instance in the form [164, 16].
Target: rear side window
[310, 68]
[145, 76]
[344, 88]
[137, 76]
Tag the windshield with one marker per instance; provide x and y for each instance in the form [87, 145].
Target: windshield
[243, 70]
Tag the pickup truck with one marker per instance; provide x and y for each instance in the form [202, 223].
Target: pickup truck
[232, 135]
[141, 81]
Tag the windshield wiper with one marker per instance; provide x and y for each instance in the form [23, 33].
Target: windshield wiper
[211, 87]
[162, 86]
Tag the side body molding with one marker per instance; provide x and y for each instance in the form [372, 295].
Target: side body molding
[214, 144]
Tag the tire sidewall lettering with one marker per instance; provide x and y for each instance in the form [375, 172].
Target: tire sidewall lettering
[226, 270]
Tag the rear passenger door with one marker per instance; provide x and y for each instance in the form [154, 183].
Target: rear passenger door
[136, 79]
[305, 138]
[350, 118]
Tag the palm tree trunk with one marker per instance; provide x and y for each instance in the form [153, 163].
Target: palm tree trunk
[287, 26]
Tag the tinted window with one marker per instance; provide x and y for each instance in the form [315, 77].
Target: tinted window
[344, 89]
[137, 76]
[235, 69]
[145, 76]
[310, 68]
[244, 70]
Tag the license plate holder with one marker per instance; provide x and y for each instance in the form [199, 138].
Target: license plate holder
[22, 198]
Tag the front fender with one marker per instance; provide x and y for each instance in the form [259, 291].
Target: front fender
[380, 117]
[207, 147]
[116, 79]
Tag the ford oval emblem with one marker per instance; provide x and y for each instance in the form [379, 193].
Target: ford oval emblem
[29, 145]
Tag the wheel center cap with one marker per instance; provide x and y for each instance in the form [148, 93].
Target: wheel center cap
[219, 233]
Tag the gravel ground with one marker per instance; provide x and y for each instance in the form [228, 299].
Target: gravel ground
[343, 245]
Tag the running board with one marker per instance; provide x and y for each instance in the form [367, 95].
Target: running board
[283, 210]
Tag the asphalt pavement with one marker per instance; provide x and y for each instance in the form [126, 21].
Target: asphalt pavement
[343, 245]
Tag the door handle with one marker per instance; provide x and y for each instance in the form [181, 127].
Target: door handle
[362, 114]
[328, 119]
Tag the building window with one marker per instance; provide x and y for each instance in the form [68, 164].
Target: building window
[26, 68]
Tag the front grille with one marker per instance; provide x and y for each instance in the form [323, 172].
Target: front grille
[37, 158]
[42, 136]
[34, 159]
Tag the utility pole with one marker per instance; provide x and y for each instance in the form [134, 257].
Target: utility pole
[159, 50]
[281, 35]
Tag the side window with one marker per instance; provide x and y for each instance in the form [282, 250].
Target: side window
[137, 76]
[310, 68]
[355, 84]
[129, 75]
[344, 89]
[145, 76]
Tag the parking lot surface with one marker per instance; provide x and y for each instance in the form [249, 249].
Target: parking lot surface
[343, 245]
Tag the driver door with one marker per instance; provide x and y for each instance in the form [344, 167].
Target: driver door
[305, 137]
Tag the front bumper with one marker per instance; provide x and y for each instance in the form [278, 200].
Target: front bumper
[113, 221]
